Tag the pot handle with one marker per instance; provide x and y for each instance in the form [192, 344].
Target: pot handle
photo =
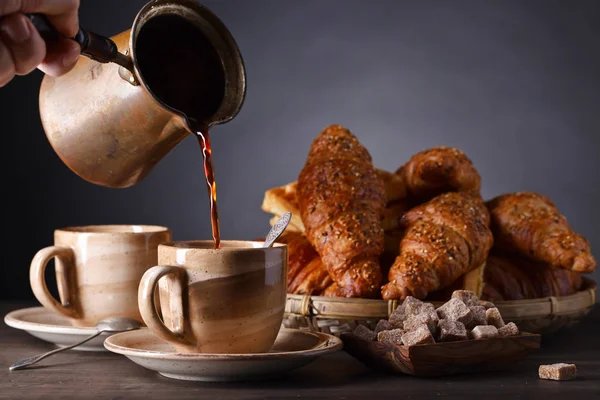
[93, 46]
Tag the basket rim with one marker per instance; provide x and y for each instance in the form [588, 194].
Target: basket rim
[543, 306]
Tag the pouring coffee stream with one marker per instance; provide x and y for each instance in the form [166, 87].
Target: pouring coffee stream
[209, 174]
[168, 79]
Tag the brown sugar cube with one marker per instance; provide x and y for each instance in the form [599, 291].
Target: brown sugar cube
[478, 316]
[397, 317]
[486, 304]
[509, 329]
[362, 332]
[455, 310]
[484, 332]
[412, 306]
[393, 336]
[466, 296]
[421, 335]
[382, 325]
[558, 372]
[451, 331]
[427, 308]
[493, 317]
[429, 318]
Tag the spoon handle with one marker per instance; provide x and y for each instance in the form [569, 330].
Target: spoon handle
[277, 229]
[32, 360]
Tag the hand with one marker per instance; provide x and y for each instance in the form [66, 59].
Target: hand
[22, 49]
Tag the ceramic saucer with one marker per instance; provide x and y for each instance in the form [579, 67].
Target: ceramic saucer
[292, 349]
[53, 328]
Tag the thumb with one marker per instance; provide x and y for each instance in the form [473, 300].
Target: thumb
[61, 57]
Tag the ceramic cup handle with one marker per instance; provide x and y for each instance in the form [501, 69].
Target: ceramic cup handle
[64, 262]
[176, 282]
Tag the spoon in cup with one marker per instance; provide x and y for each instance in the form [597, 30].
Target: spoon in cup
[277, 229]
[113, 325]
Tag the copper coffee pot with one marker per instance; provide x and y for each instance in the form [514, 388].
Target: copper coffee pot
[118, 112]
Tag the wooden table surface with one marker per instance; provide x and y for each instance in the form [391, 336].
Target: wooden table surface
[109, 376]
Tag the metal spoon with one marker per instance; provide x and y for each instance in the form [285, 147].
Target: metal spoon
[114, 324]
[277, 229]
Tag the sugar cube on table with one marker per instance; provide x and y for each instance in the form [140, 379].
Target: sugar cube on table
[478, 316]
[382, 325]
[484, 332]
[451, 331]
[493, 317]
[466, 296]
[428, 318]
[393, 336]
[364, 333]
[558, 372]
[421, 335]
[509, 329]
[455, 310]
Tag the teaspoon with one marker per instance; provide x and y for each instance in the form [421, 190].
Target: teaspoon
[114, 324]
[277, 229]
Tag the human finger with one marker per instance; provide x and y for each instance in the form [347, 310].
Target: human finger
[7, 65]
[62, 14]
[61, 57]
[27, 47]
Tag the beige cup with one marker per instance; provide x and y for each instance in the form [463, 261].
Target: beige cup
[98, 270]
[226, 301]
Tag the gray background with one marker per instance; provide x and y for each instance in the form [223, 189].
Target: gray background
[515, 84]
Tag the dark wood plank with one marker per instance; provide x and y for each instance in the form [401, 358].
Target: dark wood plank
[109, 376]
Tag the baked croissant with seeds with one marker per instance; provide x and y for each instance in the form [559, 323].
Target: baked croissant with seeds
[443, 239]
[513, 277]
[438, 170]
[341, 199]
[531, 225]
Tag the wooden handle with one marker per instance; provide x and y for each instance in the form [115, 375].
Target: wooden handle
[176, 283]
[65, 261]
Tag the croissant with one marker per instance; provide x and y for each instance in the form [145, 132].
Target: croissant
[531, 225]
[306, 272]
[443, 239]
[341, 199]
[280, 200]
[513, 277]
[395, 189]
[439, 170]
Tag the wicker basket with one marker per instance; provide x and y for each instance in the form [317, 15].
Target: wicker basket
[336, 315]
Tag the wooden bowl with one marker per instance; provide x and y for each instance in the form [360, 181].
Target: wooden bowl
[336, 315]
[440, 359]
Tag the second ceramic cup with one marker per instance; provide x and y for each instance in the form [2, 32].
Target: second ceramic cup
[98, 270]
[225, 301]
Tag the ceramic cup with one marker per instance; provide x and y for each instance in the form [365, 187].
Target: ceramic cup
[98, 270]
[222, 301]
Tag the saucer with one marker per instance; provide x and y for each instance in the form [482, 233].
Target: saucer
[292, 349]
[54, 328]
